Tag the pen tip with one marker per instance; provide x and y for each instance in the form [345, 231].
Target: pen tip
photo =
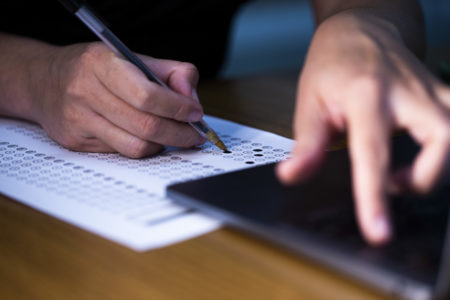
[212, 137]
[221, 145]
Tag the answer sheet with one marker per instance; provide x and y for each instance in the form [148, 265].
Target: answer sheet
[119, 198]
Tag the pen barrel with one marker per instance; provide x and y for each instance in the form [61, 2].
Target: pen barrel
[116, 45]
[201, 127]
[71, 5]
[126, 53]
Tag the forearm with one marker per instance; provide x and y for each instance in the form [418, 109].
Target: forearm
[24, 68]
[403, 18]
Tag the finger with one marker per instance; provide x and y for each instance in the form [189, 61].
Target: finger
[73, 132]
[78, 142]
[127, 82]
[145, 126]
[430, 163]
[92, 144]
[432, 133]
[122, 141]
[182, 77]
[312, 135]
[368, 129]
[443, 93]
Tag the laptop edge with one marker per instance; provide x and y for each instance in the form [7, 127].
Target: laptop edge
[393, 284]
[442, 290]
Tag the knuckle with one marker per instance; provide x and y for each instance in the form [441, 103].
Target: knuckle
[97, 53]
[69, 132]
[143, 96]
[93, 51]
[188, 67]
[71, 142]
[71, 117]
[137, 148]
[89, 56]
[150, 126]
[365, 84]
[442, 132]
[187, 70]
[81, 70]
[182, 111]
[75, 87]
[66, 141]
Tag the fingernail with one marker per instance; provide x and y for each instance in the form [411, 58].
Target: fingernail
[195, 115]
[285, 166]
[195, 95]
[285, 171]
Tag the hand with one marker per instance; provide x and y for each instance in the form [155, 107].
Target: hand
[92, 100]
[359, 78]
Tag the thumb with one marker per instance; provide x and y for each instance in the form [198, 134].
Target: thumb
[181, 77]
[184, 79]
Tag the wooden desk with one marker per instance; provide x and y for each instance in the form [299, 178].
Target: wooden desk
[44, 258]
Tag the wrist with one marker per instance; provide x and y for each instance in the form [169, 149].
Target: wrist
[24, 66]
[352, 34]
[382, 25]
[357, 21]
[42, 81]
[47, 77]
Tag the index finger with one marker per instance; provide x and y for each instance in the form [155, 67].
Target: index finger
[128, 83]
[368, 129]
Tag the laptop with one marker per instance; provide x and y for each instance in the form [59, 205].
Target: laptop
[316, 220]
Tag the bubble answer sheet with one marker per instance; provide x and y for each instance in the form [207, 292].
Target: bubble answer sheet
[119, 198]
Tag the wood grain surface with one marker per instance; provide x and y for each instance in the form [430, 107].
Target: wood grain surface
[44, 258]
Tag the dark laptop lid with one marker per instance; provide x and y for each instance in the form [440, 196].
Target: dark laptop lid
[443, 282]
[317, 219]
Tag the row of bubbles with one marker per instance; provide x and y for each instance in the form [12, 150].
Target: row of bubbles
[73, 181]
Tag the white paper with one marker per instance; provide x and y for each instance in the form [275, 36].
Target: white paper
[119, 198]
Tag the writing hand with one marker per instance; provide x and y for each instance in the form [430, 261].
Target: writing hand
[92, 100]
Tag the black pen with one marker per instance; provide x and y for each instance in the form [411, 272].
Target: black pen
[112, 41]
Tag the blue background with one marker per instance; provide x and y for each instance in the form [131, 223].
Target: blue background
[273, 35]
